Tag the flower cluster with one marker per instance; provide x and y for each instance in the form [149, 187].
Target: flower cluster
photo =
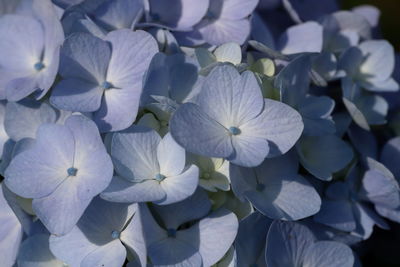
[195, 133]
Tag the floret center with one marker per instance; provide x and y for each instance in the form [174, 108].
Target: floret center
[234, 130]
[72, 171]
[106, 85]
[39, 66]
[164, 123]
[159, 177]
[171, 232]
[115, 234]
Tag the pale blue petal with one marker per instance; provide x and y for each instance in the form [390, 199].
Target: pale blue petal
[119, 14]
[233, 9]
[180, 187]
[152, 231]
[86, 242]
[242, 180]
[391, 214]
[13, 201]
[134, 153]
[381, 189]
[11, 232]
[329, 254]
[171, 156]
[306, 37]
[156, 80]
[77, 95]
[22, 119]
[324, 155]
[316, 115]
[133, 237]
[93, 164]
[293, 81]
[370, 13]
[72, 247]
[280, 124]
[198, 133]
[379, 62]
[213, 235]
[350, 61]
[61, 210]
[37, 172]
[21, 44]
[112, 254]
[131, 56]
[121, 190]
[192, 208]
[287, 198]
[102, 217]
[287, 243]
[356, 114]
[19, 88]
[374, 108]
[224, 30]
[35, 252]
[260, 31]
[389, 85]
[173, 252]
[178, 14]
[337, 214]
[367, 218]
[118, 109]
[230, 98]
[249, 151]
[390, 154]
[251, 238]
[85, 57]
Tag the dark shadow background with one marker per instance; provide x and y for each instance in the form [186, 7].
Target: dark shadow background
[390, 18]
[382, 249]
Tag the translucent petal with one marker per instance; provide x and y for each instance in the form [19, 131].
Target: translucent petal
[22, 119]
[134, 153]
[85, 57]
[179, 14]
[171, 156]
[324, 155]
[306, 37]
[77, 95]
[37, 172]
[198, 133]
[287, 243]
[329, 254]
[280, 124]
[178, 188]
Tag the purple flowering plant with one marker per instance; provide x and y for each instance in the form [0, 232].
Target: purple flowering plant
[195, 133]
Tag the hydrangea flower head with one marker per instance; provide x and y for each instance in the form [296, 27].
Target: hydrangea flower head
[370, 65]
[230, 119]
[66, 167]
[104, 233]
[202, 242]
[104, 76]
[291, 244]
[30, 48]
[344, 207]
[276, 189]
[149, 168]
